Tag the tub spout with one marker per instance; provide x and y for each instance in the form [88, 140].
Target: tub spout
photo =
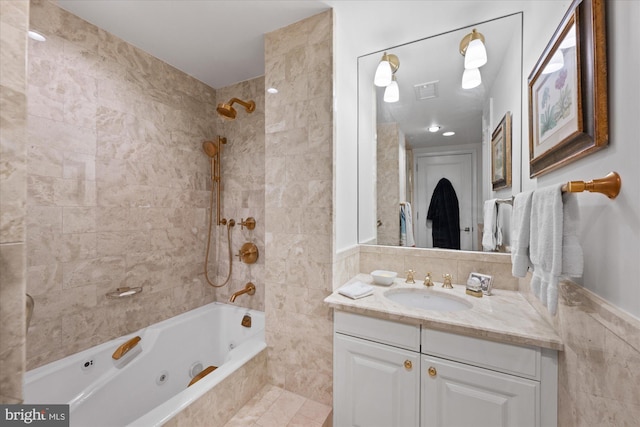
[249, 288]
[124, 348]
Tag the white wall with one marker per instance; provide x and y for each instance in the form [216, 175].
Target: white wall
[610, 229]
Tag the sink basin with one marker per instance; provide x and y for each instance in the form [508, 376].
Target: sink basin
[426, 299]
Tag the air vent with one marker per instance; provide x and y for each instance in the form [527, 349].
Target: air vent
[426, 90]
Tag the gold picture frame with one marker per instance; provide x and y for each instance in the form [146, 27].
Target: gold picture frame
[568, 115]
[501, 154]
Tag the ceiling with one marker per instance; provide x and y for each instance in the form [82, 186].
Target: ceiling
[219, 42]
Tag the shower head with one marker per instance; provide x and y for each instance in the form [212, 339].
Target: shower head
[228, 112]
[210, 148]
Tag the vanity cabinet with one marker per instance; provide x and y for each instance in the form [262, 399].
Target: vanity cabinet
[392, 374]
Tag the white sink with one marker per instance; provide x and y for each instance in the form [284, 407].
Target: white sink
[427, 299]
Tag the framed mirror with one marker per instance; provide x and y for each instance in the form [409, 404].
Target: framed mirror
[436, 130]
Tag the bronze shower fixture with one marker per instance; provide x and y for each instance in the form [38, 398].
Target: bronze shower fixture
[228, 112]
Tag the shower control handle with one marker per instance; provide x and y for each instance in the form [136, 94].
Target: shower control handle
[248, 253]
[250, 223]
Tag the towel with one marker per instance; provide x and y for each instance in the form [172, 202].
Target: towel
[409, 240]
[356, 290]
[572, 256]
[403, 227]
[520, 232]
[490, 223]
[546, 231]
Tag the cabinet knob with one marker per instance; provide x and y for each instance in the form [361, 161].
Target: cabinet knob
[432, 371]
[408, 365]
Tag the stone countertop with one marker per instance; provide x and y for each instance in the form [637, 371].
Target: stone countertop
[504, 316]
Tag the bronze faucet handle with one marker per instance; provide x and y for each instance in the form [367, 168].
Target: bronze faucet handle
[410, 274]
[447, 281]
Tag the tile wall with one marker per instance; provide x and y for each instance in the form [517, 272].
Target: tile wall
[116, 186]
[14, 22]
[243, 171]
[438, 262]
[299, 206]
[599, 369]
[388, 186]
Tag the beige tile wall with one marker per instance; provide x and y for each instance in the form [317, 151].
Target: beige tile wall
[116, 186]
[14, 22]
[438, 262]
[299, 206]
[243, 170]
[599, 369]
[387, 184]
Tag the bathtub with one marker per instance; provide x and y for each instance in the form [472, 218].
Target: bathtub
[148, 385]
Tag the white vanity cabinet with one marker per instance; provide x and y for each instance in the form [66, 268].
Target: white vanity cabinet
[392, 374]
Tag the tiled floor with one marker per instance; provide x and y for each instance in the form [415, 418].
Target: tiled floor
[275, 407]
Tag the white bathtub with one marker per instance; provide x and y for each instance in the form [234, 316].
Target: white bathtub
[152, 386]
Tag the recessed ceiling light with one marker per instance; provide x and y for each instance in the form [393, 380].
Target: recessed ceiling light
[448, 133]
[272, 90]
[36, 36]
[434, 128]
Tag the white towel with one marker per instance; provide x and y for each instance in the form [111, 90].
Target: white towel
[490, 223]
[546, 244]
[520, 232]
[572, 256]
[356, 290]
[408, 217]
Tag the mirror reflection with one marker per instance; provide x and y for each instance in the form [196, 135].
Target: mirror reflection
[424, 141]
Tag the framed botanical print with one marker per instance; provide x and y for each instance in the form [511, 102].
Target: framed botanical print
[501, 154]
[568, 116]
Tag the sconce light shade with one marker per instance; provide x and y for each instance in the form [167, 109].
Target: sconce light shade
[388, 65]
[555, 63]
[473, 49]
[392, 92]
[471, 78]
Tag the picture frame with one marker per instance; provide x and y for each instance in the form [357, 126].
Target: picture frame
[486, 282]
[501, 154]
[568, 113]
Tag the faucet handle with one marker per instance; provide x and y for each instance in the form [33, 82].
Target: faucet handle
[250, 223]
[427, 280]
[447, 281]
[410, 274]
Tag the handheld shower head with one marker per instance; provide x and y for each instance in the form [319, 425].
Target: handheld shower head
[210, 148]
[228, 112]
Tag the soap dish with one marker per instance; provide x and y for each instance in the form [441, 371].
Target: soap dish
[383, 277]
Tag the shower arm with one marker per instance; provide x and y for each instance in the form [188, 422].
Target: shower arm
[247, 105]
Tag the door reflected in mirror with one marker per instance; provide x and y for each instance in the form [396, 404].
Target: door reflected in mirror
[437, 130]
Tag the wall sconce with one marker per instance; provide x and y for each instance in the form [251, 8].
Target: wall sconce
[387, 67]
[471, 78]
[475, 56]
[473, 49]
[392, 92]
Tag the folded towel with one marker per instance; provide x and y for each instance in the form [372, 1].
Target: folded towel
[490, 223]
[408, 216]
[356, 290]
[572, 257]
[546, 244]
[520, 232]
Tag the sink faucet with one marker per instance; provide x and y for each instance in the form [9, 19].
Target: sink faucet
[249, 288]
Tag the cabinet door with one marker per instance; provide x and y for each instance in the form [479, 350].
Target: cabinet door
[455, 394]
[375, 385]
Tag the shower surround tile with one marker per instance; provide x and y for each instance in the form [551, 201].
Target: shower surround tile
[116, 186]
[299, 206]
[14, 22]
